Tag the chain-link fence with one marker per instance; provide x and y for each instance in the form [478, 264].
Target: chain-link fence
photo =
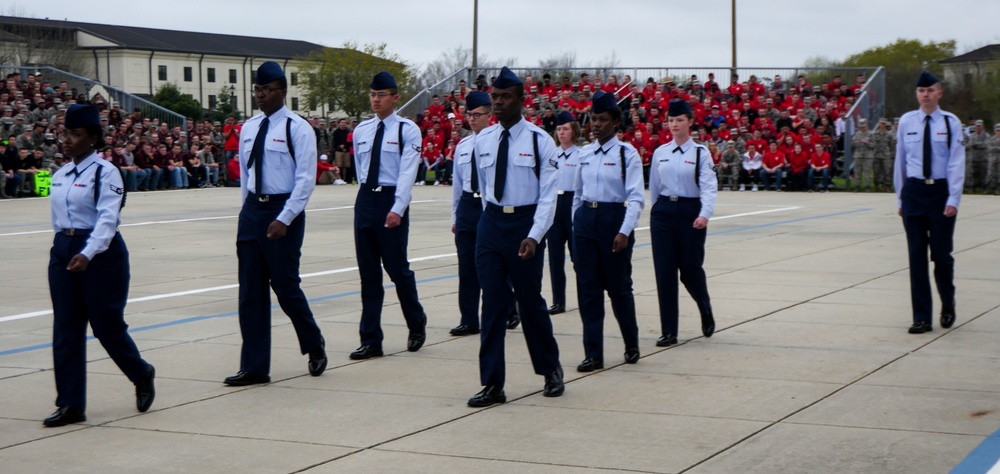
[90, 89]
[869, 104]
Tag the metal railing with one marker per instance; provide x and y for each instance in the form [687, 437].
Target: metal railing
[870, 105]
[443, 88]
[90, 88]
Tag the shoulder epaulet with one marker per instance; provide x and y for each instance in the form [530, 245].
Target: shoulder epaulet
[910, 114]
[251, 119]
[366, 122]
[467, 138]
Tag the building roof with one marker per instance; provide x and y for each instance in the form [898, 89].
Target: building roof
[986, 53]
[152, 39]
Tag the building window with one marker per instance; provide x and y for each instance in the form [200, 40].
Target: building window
[211, 74]
[213, 102]
[295, 103]
[312, 104]
[188, 74]
[232, 76]
[162, 72]
[295, 78]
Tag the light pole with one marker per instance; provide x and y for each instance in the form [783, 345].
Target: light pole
[232, 100]
[475, 38]
[734, 36]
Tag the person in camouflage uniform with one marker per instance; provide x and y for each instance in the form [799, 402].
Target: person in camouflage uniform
[993, 163]
[740, 140]
[729, 168]
[864, 156]
[884, 153]
[976, 157]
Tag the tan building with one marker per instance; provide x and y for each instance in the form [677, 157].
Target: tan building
[965, 68]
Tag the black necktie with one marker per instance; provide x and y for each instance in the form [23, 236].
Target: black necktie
[475, 173]
[501, 172]
[927, 147]
[376, 159]
[564, 155]
[256, 160]
[676, 150]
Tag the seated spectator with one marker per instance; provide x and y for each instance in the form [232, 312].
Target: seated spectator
[728, 169]
[773, 166]
[233, 172]
[326, 172]
[207, 156]
[174, 161]
[195, 168]
[798, 162]
[819, 163]
[749, 171]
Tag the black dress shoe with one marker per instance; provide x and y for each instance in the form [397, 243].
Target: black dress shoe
[247, 378]
[631, 355]
[145, 392]
[708, 328]
[948, 316]
[920, 328]
[366, 352]
[590, 364]
[317, 359]
[490, 395]
[557, 308]
[666, 340]
[463, 330]
[65, 416]
[554, 385]
[416, 339]
[513, 321]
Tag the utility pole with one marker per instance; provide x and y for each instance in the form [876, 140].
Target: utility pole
[475, 39]
[734, 36]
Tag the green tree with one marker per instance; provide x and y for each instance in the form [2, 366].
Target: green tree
[903, 61]
[169, 97]
[224, 108]
[340, 77]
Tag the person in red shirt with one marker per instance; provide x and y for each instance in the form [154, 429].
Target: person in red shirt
[798, 164]
[231, 133]
[547, 87]
[756, 88]
[819, 163]
[326, 172]
[233, 173]
[611, 87]
[773, 167]
[735, 88]
[436, 109]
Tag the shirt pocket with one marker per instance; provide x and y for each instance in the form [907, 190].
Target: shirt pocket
[916, 137]
[363, 149]
[274, 148]
[487, 160]
[522, 160]
[464, 158]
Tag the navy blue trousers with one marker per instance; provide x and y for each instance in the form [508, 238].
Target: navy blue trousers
[497, 244]
[97, 295]
[377, 247]
[558, 237]
[598, 269]
[678, 246]
[266, 264]
[926, 226]
[470, 209]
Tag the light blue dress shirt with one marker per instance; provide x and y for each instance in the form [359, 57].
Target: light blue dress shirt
[673, 174]
[394, 169]
[945, 164]
[599, 179]
[281, 173]
[73, 206]
[462, 177]
[568, 159]
[522, 188]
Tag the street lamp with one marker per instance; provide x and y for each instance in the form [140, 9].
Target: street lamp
[232, 99]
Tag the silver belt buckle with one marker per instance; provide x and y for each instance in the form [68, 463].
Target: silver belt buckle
[69, 232]
[264, 198]
[592, 205]
[476, 195]
[560, 192]
[508, 209]
[929, 181]
[674, 198]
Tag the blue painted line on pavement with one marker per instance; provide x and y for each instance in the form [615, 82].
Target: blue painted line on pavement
[387, 287]
[981, 459]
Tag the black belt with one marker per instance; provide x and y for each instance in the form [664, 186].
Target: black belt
[928, 182]
[76, 232]
[380, 189]
[595, 205]
[270, 197]
[529, 209]
[678, 199]
[471, 195]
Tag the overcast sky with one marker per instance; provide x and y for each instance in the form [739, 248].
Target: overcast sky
[642, 33]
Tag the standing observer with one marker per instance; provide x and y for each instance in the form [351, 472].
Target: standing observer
[387, 148]
[929, 174]
[684, 187]
[517, 172]
[89, 270]
[277, 156]
[609, 196]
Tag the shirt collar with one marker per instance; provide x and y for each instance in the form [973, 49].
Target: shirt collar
[515, 131]
[685, 147]
[936, 114]
[72, 167]
[390, 120]
[604, 149]
[568, 152]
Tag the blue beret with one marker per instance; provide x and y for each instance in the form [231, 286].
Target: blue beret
[565, 117]
[604, 102]
[926, 80]
[82, 116]
[678, 108]
[476, 99]
[507, 79]
[268, 72]
[383, 81]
